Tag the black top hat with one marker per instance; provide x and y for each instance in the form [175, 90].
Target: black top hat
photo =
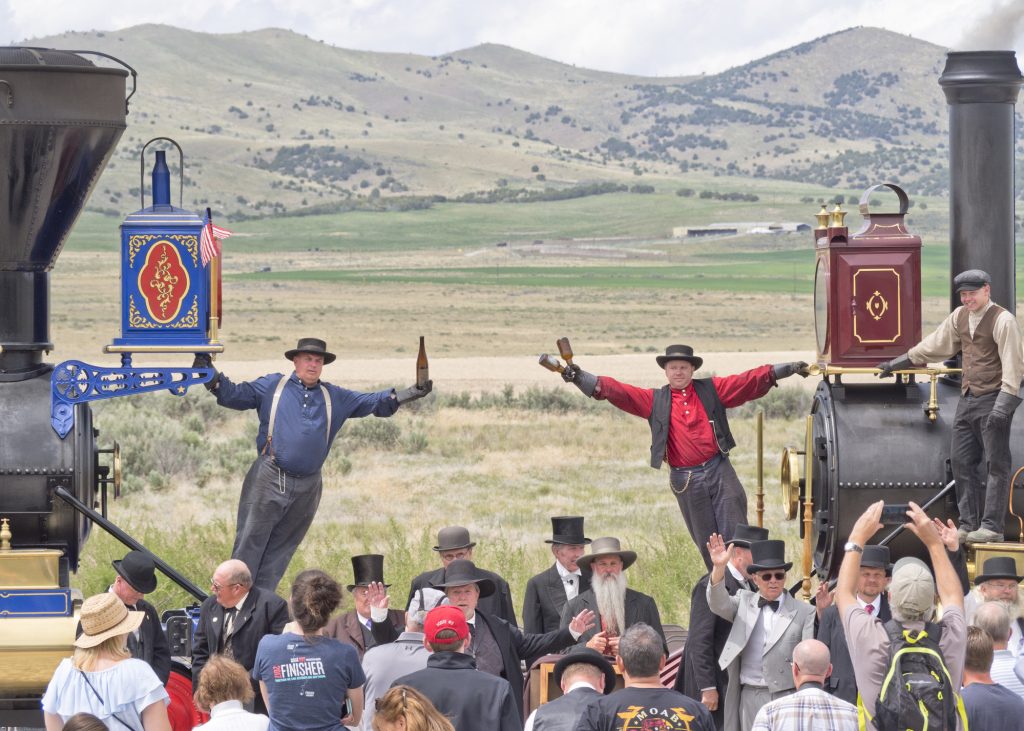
[998, 567]
[971, 280]
[453, 538]
[311, 345]
[366, 569]
[590, 657]
[138, 569]
[744, 535]
[876, 557]
[462, 571]
[768, 555]
[568, 530]
[606, 547]
[680, 352]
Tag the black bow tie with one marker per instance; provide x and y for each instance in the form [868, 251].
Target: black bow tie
[762, 602]
[570, 581]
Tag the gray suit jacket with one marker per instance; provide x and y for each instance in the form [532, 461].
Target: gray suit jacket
[794, 624]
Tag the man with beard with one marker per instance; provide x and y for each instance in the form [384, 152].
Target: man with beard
[617, 607]
[699, 674]
[999, 581]
[496, 645]
[766, 626]
[644, 704]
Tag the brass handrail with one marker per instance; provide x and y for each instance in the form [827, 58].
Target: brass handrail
[760, 468]
[931, 410]
[808, 507]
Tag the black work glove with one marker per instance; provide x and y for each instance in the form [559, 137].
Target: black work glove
[896, 364]
[1002, 411]
[414, 392]
[585, 382]
[203, 360]
[785, 370]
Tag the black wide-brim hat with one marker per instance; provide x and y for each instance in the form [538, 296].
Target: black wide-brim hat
[366, 569]
[311, 345]
[590, 657]
[680, 352]
[768, 555]
[744, 535]
[606, 547]
[876, 557]
[567, 530]
[462, 571]
[998, 567]
[138, 569]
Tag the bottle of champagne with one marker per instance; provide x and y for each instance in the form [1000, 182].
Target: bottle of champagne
[565, 349]
[422, 370]
[551, 363]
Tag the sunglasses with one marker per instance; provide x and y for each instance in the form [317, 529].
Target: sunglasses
[769, 575]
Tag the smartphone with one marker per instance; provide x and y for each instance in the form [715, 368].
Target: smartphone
[895, 514]
[346, 711]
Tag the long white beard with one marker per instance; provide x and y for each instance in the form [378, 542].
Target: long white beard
[610, 592]
[1014, 608]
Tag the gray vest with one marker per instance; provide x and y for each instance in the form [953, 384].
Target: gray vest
[661, 412]
[562, 713]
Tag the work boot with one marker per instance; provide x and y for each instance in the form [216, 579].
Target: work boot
[961, 535]
[984, 535]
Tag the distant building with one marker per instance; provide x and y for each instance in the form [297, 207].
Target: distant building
[731, 229]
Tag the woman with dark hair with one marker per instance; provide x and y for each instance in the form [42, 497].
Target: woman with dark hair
[305, 677]
[223, 688]
[406, 709]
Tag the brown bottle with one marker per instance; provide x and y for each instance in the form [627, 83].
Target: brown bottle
[551, 363]
[565, 349]
[422, 371]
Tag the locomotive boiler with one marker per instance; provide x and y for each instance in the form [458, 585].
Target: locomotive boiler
[61, 116]
[891, 440]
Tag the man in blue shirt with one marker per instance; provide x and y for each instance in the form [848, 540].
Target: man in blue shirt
[299, 418]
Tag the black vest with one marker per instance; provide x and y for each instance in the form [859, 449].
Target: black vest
[661, 412]
[563, 712]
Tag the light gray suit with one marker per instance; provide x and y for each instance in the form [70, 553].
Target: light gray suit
[795, 622]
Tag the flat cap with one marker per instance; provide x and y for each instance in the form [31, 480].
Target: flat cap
[971, 280]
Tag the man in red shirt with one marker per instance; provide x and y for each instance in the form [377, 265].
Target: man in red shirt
[690, 431]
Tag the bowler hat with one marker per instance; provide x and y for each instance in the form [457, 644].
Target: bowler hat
[998, 567]
[453, 538]
[768, 555]
[680, 352]
[311, 345]
[589, 657]
[606, 547]
[462, 571]
[744, 535]
[971, 280]
[138, 569]
[104, 616]
[568, 530]
[366, 569]
[876, 557]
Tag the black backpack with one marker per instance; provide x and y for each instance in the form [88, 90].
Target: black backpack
[917, 693]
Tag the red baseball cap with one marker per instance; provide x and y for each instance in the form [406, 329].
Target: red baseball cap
[445, 617]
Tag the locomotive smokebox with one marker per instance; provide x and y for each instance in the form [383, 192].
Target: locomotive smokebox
[981, 88]
[60, 118]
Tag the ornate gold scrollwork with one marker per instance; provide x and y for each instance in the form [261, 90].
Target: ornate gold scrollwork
[876, 305]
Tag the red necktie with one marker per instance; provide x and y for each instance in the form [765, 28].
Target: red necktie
[869, 608]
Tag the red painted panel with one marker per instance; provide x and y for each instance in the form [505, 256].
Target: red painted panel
[163, 282]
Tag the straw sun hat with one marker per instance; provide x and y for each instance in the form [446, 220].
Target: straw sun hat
[104, 616]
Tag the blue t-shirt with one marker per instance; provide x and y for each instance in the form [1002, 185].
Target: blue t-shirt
[306, 681]
[992, 708]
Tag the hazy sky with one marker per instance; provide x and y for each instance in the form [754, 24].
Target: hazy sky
[651, 37]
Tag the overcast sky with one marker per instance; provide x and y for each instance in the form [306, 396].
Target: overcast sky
[650, 37]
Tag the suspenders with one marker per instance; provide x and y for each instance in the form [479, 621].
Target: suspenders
[269, 447]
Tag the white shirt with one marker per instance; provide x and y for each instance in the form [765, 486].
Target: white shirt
[574, 686]
[572, 590]
[875, 605]
[229, 619]
[230, 716]
[751, 661]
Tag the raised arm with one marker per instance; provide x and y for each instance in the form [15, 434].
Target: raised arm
[946, 580]
[849, 572]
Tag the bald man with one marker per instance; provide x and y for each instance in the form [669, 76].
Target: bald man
[233, 620]
[811, 707]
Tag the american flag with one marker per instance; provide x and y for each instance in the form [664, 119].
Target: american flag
[209, 245]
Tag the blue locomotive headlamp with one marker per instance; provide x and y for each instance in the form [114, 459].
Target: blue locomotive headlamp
[170, 300]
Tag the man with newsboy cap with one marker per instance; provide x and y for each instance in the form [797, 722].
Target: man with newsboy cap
[988, 338]
[136, 577]
[299, 417]
[453, 544]
[690, 431]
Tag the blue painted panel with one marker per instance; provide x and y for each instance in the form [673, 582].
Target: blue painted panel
[36, 603]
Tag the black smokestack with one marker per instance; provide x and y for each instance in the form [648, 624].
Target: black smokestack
[981, 88]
